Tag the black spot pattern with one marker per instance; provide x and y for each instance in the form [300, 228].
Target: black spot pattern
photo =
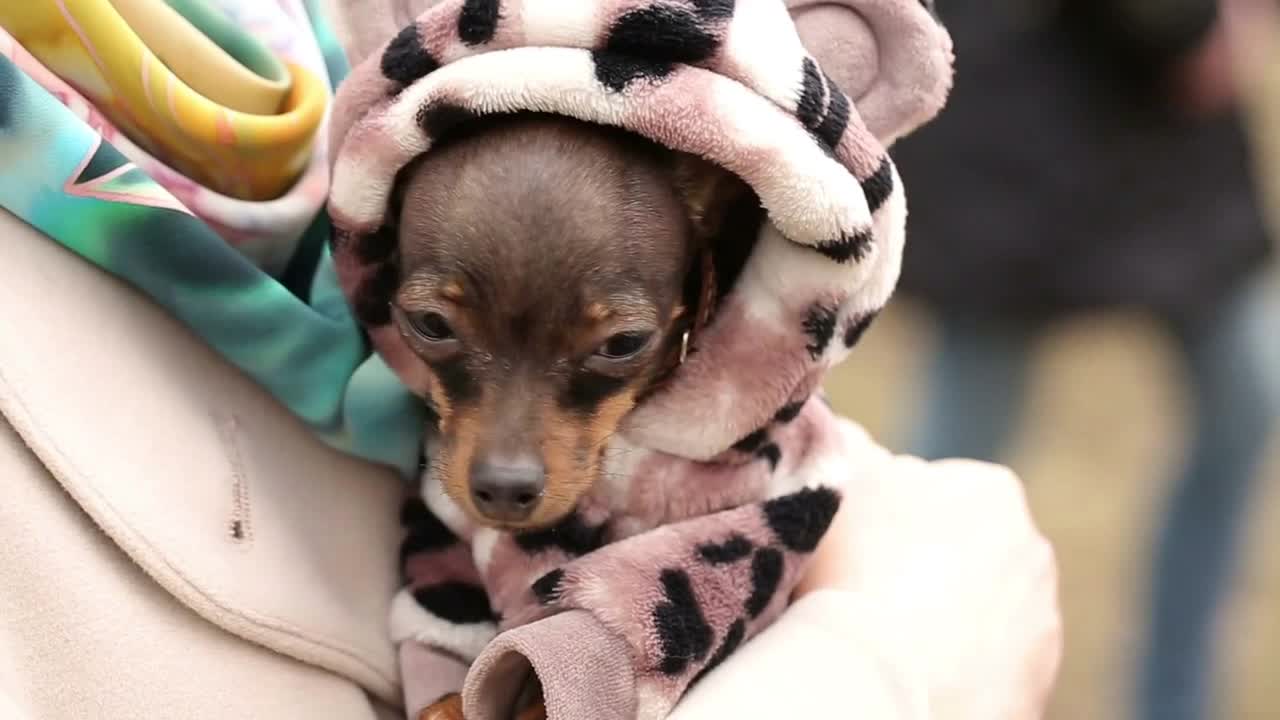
[373, 299]
[752, 442]
[456, 380]
[771, 453]
[478, 21]
[732, 639]
[378, 246]
[405, 59]
[714, 9]
[732, 550]
[833, 125]
[617, 71]
[438, 120]
[790, 411]
[416, 516]
[587, 390]
[424, 531]
[683, 632]
[857, 328]
[819, 324]
[547, 587]
[799, 520]
[669, 32]
[847, 247]
[456, 602]
[648, 42]
[571, 535]
[766, 575]
[809, 107]
[879, 186]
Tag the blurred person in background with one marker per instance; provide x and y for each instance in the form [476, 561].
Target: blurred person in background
[1091, 158]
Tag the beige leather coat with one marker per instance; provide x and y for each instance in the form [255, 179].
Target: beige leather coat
[173, 544]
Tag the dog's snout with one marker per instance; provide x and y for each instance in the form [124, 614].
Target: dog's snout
[507, 491]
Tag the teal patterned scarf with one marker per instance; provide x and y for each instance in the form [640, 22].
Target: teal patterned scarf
[294, 333]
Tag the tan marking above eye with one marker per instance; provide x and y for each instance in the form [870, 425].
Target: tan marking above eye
[453, 291]
[598, 312]
[617, 314]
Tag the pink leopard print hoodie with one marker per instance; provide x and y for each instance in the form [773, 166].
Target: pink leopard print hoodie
[721, 484]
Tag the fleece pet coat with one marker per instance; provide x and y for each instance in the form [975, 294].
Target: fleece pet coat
[719, 485]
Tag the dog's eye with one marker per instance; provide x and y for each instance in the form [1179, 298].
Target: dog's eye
[623, 345]
[431, 326]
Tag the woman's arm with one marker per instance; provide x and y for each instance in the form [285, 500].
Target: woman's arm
[932, 596]
[820, 660]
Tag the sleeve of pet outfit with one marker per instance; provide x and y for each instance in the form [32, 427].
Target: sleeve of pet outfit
[633, 624]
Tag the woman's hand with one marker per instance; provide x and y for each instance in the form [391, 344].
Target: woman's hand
[961, 584]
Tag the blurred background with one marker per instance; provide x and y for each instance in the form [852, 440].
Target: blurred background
[1091, 296]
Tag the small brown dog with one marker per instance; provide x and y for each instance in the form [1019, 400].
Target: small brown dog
[551, 274]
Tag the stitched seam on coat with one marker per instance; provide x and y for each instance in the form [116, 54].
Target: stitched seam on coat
[240, 526]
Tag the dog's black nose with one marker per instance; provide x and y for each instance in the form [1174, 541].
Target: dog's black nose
[507, 491]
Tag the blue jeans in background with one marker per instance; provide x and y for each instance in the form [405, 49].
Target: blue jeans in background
[973, 400]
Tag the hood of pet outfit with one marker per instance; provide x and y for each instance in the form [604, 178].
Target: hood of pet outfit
[730, 82]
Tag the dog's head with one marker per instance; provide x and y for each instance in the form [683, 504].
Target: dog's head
[545, 270]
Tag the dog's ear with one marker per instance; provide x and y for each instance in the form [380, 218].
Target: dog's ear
[707, 192]
[893, 58]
